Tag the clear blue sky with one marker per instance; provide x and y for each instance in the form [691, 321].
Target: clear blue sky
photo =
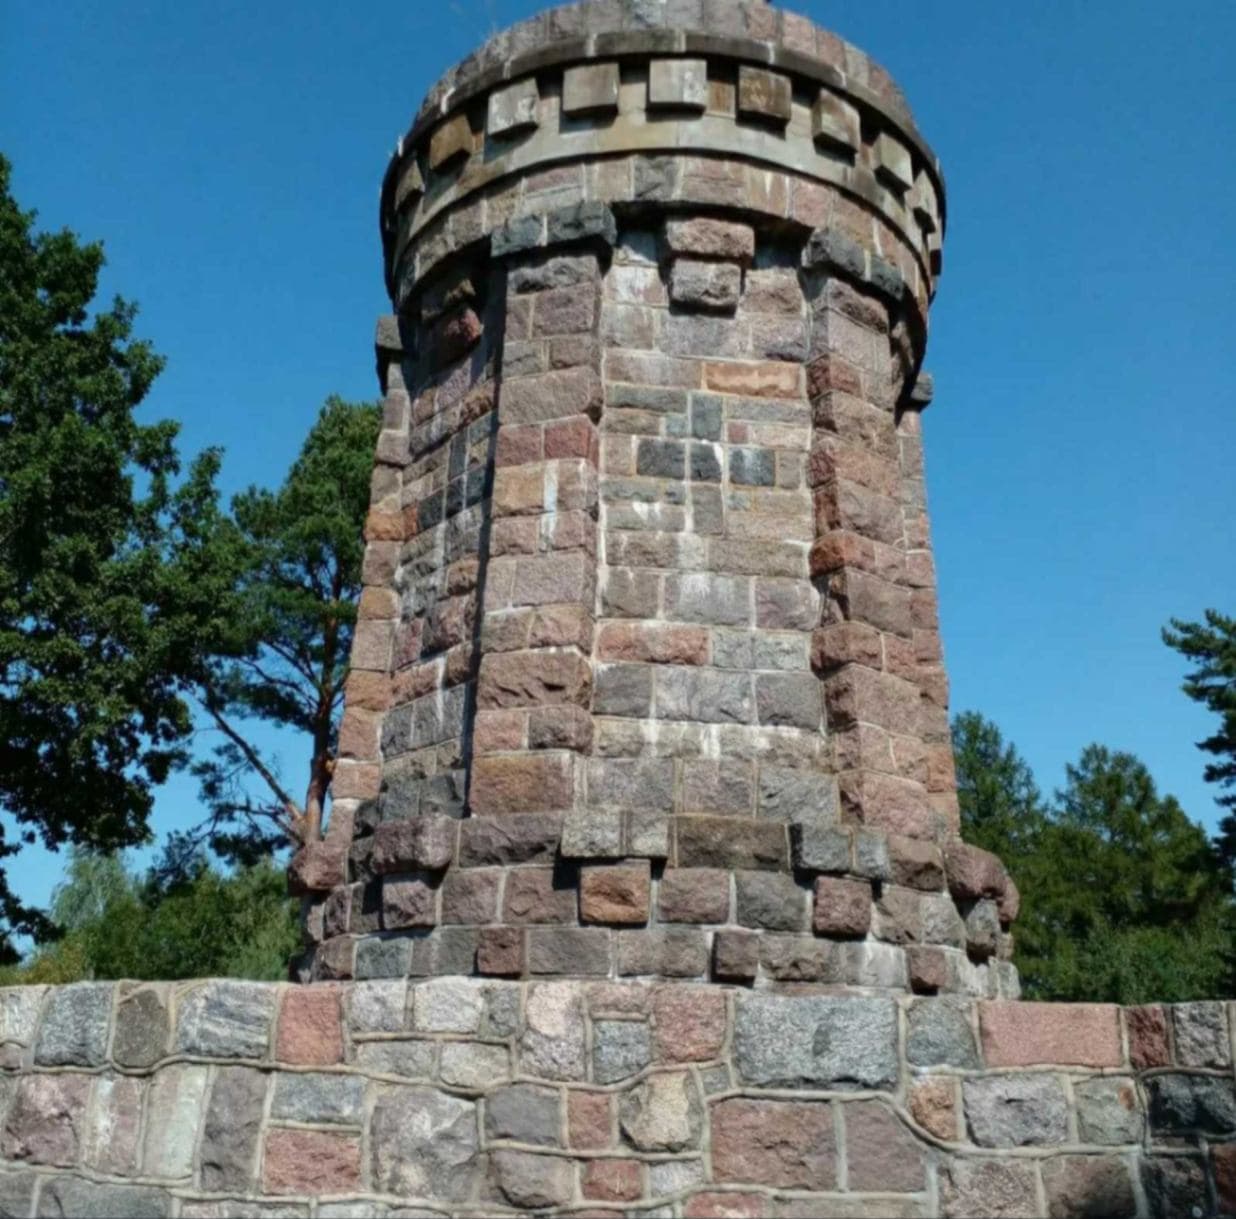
[1080, 449]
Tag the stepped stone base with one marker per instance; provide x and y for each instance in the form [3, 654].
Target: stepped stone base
[470, 1097]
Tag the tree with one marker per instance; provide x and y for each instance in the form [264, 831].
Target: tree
[101, 610]
[1123, 897]
[1211, 647]
[185, 919]
[296, 553]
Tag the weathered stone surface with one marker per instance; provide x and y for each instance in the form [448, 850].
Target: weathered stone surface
[16, 1194]
[111, 1142]
[620, 1049]
[448, 1005]
[938, 1033]
[225, 1020]
[615, 894]
[314, 1097]
[411, 1059]
[553, 1042]
[1201, 1035]
[816, 1041]
[933, 1105]
[1174, 1185]
[70, 1197]
[46, 1119]
[1079, 1187]
[678, 83]
[423, 1143]
[662, 1114]
[1180, 1103]
[531, 1181]
[1108, 1111]
[524, 1113]
[1148, 1044]
[882, 1155]
[787, 1144]
[310, 1027]
[142, 1026]
[698, 284]
[1016, 1110]
[764, 95]
[378, 1006]
[19, 1012]
[514, 108]
[1064, 1034]
[988, 1189]
[474, 1065]
[311, 1162]
[75, 1025]
[228, 1155]
[590, 88]
[173, 1112]
[689, 1024]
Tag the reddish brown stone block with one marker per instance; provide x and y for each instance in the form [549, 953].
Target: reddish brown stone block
[534, 895]
[933, 1105]
[612, 1180]
[1148, 1041]
[1223, 1164]
[1060, 1034]
[534, 679]
[881, 1153]
[735, 955]
[500, 952]
[842, 907]
[753, 379]
[590, 1120]
[714, 1204]
[928, 969]
[310, 1162]
[522, 783]
[916, 864]
[688, 1023]
[973, 872]
[310, 1029]
[470, 895]
[318, 868]
[615, 894]
[785, 1144]
[653, 643]
[694, 895]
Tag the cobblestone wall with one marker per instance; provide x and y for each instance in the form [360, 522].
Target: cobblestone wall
[475, 1097]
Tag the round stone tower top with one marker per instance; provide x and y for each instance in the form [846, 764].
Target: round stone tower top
[613, 81]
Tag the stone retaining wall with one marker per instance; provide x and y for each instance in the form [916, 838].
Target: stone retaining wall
[456, 1096]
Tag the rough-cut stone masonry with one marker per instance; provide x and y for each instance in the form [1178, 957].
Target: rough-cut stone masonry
[648, 681]
[463, 1096]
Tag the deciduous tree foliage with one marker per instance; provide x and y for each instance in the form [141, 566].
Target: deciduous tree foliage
[1124, 898]
[1210, 646]
[103, 602]
[185, 919]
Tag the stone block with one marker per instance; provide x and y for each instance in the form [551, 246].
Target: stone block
[796, 1041]
[590, 1120]
[704, 237]
[972, 872]
[730, 842]
[1016, 1110]
[893, 165]
[315, 1097]
[228, 1155]
[764, 95]
[226, 1019]
[689, 1024]
[1108, 1111]
[414, 843]
[503, 841]
[988, 1189]
[572, 951]
[19, 1013]
[470, 895]
[377, 1007]
[142, 1026]
[527, 1180]
[423, 1143]
[451, 142]
[310, 1031]
[799, 958]
[678, 84]
[784, 1144]
[590, 89]
[938, 1033]
[103, 1200]
[75, 1026]
[881, 1153]
[17, 1192]
[1056, 1034]
[620, 1049]
[522, 783]
[410, 1059]
[539, 895]
[448, 1005]
[1174, 1185]
[173, 1110]
[513, 109]
[553, 1042]
[612, 1180]
[835, 124]
[770, 900]
[1201, 1035]
[699, 284]
[524, 1113]
[111, 1143]
[1180, 1104]
[670, 952]
[915, 863]
[735, 955]
[693, 895]
[822, 848]
[933, 1105]
[616, 894]
[312, 1162]
[46, 1120]
[662, 1114]
[842, 907]
[1078, 1187]
[473, 1065]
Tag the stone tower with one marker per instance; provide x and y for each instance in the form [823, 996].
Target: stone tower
[647, 680]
